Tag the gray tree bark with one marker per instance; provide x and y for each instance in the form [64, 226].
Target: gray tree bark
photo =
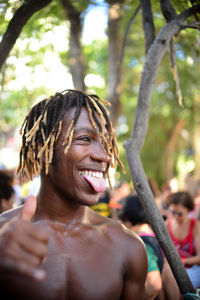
[148, 25]
[134, 144]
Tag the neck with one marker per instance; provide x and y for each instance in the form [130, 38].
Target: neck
[183, 222]
[56, 207]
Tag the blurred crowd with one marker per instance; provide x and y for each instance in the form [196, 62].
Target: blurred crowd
[14, 192]
[180, 210]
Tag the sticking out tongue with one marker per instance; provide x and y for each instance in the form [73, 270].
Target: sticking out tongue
[98, 184]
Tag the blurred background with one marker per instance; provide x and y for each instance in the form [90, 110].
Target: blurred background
[100, 46]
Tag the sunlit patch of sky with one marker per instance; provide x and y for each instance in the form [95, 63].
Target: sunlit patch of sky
[95, 22]
[2, 7]
[162, 87]
[52, 74]
[190, 60]
[122, 127]
[94, 80]
[180, 54]
[133, 62]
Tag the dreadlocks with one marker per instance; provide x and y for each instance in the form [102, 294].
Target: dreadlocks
[42, 126]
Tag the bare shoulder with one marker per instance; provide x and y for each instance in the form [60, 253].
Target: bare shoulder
[128, 252]
[122, 238]
[8, 215]
[125, 239]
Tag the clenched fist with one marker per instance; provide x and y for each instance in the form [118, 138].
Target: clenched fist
[23, 245]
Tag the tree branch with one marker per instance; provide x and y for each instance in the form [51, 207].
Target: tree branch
[168, 10]
[189, 12]
[76, 61]
[133, 147]
[114, 46]
[115, 92]
[175, 72]
[192, 25]
[196, 17]
[148, 25]
[20, 18]
[169, 162]
[128, 28]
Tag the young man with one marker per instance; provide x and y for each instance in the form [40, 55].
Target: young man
[58, 248]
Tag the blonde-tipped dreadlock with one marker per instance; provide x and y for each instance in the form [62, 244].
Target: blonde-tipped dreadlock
[43, 124]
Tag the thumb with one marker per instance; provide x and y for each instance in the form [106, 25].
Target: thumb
[29, 208]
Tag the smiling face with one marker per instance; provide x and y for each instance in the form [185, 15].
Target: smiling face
[79, 175]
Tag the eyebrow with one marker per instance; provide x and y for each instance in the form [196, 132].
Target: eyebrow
[91, 130]
[84, 128]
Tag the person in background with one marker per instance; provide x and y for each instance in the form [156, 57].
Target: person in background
[192, 185]
[7, 193]
[160, 283]
[121, 191]
[102, 207]
[185, 233]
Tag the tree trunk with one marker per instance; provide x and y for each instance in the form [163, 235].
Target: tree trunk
[114, 50]
[169, 165]
[116, 56]
[76, 60]
[148, 25]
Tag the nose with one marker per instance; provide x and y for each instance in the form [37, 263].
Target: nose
[99, 153]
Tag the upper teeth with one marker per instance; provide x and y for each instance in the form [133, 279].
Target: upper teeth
[91, 173]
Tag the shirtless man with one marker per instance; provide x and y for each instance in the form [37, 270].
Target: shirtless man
[57, 247]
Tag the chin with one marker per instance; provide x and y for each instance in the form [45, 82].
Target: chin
[89, 200]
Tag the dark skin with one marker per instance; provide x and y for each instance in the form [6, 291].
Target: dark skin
[58, 248]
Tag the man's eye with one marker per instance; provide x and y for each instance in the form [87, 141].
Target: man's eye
[84, 138]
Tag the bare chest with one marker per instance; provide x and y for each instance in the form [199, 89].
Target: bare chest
[77, 267]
